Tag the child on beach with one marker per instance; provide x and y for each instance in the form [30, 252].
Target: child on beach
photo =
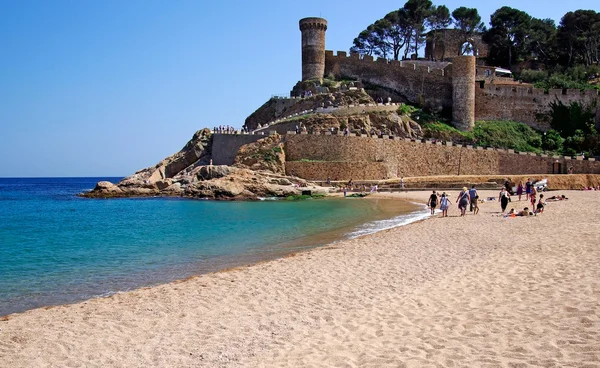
[444, 204]
[475, 204]
[540, 205]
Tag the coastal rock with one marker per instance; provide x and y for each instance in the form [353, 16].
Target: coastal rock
[212, 172]
[264, 154]
[107, 188]
[258, 172]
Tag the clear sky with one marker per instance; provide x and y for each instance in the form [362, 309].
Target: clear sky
[105, 88]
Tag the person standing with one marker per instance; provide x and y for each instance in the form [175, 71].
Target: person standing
[527, 188]
[432, 202]
[520, 189]
[402, 183]
[503, 197]
[463, 200]
[532, 197]
[473, 198]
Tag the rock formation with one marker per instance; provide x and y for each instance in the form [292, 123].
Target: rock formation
[258, 172]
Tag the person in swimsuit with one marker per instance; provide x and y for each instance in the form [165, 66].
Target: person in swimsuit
[503, 198]
[532, 196]
[520, 190]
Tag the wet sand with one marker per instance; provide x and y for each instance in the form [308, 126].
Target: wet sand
[474, 291]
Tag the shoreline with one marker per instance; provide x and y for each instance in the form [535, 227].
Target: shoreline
[472, 291]
[385, 211]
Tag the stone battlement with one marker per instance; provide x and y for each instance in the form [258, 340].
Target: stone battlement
[515, 91]
[438, 68]
[419, 83]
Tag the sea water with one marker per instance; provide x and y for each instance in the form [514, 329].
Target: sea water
[56, 247]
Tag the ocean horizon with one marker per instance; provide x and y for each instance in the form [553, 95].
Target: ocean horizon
[57, 248]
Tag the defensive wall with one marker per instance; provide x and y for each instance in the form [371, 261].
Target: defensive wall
[526, 104]
[374, 158]
[226, 146]
[433, 88]
[420, 84]
[449, 43]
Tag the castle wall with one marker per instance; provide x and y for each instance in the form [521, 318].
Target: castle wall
[526, 104]
[226, 146]
[449, 44]
[418, 83]
[345, 158]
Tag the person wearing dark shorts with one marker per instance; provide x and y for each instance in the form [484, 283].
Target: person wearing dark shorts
[473, 198]
[432, 202]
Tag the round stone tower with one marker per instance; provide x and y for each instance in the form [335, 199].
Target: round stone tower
[463, 92]
[313, 47]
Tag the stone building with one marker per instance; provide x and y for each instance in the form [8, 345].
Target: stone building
[448, 43]
[455, 86]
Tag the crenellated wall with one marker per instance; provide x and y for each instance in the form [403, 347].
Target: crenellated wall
[356, 157]
[426, 84]
[420, 84]
[526, 104]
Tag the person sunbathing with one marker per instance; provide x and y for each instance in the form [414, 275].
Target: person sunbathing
[557, 198]
[525, 212]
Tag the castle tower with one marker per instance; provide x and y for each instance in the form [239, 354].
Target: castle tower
[313, 47]
[463, 92]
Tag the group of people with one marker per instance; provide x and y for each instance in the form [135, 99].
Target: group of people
[224, 129]
[466, 198]
[530, 195]
[470, 198]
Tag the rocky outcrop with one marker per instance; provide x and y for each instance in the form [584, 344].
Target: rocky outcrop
[375, 122]
[259, 172]
[263, 155]
[276, 108]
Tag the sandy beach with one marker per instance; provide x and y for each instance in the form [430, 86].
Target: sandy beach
[474, 291]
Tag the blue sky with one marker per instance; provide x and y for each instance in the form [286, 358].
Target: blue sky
[105, 88]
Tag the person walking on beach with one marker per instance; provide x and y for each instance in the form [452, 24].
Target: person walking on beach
[527, 188]
[520, 189]
[463, 200]
[444, 204]
[473, 200]
[503, 197]
[432, 202]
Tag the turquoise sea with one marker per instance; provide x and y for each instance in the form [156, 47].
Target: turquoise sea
[58, 248]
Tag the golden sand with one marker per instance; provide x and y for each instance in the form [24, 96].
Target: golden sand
[476, 291]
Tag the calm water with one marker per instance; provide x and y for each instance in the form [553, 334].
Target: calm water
[58, 248]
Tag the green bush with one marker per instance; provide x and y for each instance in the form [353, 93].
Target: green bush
[446, 132]
[405, 109]
[507, 134]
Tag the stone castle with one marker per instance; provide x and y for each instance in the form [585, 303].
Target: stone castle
[453, 85]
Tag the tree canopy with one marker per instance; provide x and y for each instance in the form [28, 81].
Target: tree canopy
[514, 37]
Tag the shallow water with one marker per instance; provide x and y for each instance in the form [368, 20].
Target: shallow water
[58, 248]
